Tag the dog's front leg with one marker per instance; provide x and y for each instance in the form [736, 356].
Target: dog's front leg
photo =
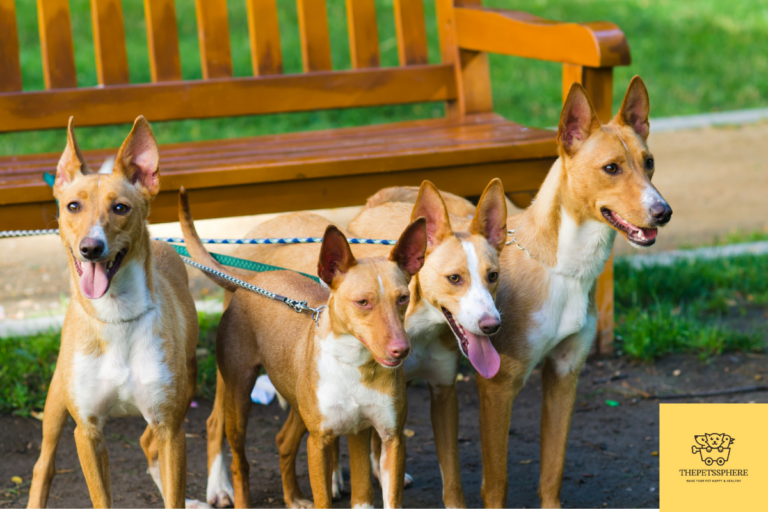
[288, 442]
[392, 469]
[360, 469]
[172, 453]
[319, 459]
[445, 425]
[559, 378]
[92, 452]
[496, 397]
[54, 418]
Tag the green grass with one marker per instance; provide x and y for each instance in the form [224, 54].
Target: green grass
[695, 56]
[690, 307]
[27, 365]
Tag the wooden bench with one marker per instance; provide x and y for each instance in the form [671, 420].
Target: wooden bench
[460, 153]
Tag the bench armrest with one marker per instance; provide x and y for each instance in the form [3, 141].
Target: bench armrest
[596, 44]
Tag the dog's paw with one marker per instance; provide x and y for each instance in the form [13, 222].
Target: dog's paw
[221, 500]
[195, 504]
[301, 503]
[408, 481]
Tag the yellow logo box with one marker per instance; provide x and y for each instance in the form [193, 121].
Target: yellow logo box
[713, 457]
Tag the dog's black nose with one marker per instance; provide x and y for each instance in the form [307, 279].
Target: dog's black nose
[91, 248]
[661, 212]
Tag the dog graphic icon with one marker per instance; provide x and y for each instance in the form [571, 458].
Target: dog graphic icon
[713, 448]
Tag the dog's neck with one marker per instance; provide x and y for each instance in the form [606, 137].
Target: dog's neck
[560, 238]
[131, 292]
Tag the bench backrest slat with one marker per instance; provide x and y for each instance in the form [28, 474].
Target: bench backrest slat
[213, 29]
[313, 32]
[56, 44]
[109, 42]
[264, 32]
[363, 34]
[163, 40]
[10, 66]
[411, 32]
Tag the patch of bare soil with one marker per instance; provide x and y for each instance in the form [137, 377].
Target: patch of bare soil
[610, 462]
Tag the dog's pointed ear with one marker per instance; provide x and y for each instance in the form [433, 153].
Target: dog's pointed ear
[577, 120]
[411, 247]
[635, 108]
[490, 220]
[138, 159]
[430, 205]
[71, 164]
[336, 257]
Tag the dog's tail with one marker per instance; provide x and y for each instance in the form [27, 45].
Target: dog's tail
[198, 251]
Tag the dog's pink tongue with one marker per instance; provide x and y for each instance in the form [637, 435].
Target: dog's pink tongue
[483, 355]
[94, 282]
[650, 233]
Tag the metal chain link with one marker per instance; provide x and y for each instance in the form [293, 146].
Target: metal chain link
[28, 232]
[298, 306]
[511, 232]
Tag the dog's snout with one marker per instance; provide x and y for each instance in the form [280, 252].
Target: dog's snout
[399, 349]
[661, 212]
[91, 248]
[489, 324]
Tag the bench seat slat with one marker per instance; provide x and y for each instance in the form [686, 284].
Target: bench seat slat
[332, 154]
[226, 97]
[10, 67]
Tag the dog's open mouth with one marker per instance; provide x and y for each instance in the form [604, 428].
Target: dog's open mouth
[637, 235]
[478, 349]
[95, 276]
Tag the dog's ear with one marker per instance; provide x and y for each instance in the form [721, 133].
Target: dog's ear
[411, 247]
[577, 120]
[490, 220]
[430, 205]
[635, 108]
[71, 164]
[335, 255]
[139, 158]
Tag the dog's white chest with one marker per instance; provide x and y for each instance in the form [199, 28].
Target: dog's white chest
[429, 359]
[129, 378]
[347, 405]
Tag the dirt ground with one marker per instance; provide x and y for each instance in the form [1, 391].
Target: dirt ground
[612, 457]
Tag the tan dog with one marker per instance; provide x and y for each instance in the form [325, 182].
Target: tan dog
[341, 376]
[600, 185]
[451, 310]
[129, 336]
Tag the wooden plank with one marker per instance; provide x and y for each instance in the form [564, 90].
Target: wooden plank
[213, 32]
[331, 192]
[363, 34]
[449, 54]
[598, 44]
[109, 42]
[163, 40]
[95, 106]
[264, 32]
[56, 44]
[411, 32]
[10, 67]
[313, 33]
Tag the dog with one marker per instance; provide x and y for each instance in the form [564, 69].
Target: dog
[130, 332]
[341, 375]
[451, 312]
[599, 186]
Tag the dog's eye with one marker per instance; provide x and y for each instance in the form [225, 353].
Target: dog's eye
[121, 209]
[493, 276]
[362, 303]
[611, 168]
[649, 163]
[403, 299]
[454, 278]
[74, 207]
